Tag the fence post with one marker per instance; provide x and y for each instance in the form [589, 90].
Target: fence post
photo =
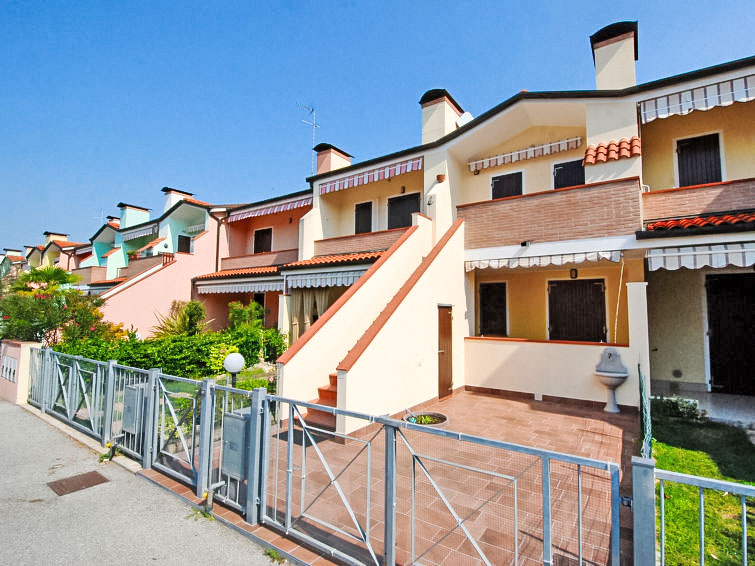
[643, 510]
[150, 418]
[389, 554]
[107, 417]
[547, 541]
[254, 453]
[45, 385]
[205, 436]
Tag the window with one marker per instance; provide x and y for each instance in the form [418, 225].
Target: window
[400, 210]
[698, 160]
[493, 309]
[577, 310]
[568, 174]
[184, 244]
[363, 218]
[263, 240]
[508, 185]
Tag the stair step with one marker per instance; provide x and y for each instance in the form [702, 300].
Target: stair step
[327, 393]
[319, 419]
[333, 377]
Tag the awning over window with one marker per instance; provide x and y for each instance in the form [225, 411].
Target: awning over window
[262, 286]
[134, 234]
[724, 93]
[371, 176]
[272, 209]
[324, 279]
[541, 261]
[532, 152]
[696, 257]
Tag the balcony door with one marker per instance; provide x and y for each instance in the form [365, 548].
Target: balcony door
[698, 160]
[263, 240]
[577, 310]
[400, 210]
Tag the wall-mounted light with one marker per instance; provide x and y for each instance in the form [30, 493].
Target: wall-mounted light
[573, 273]
[430, 200]
[290, 219]
[403, 189]
[476, 171]
[525, 243]
[440, 177]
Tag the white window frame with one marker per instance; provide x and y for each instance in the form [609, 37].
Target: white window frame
[373, 217]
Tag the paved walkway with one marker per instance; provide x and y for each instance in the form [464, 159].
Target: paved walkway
[126, 520]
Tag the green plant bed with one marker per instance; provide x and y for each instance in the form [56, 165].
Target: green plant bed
[699, 447]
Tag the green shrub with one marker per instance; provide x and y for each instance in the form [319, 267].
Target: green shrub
[249, 384]
[218, 354]
[676, 407]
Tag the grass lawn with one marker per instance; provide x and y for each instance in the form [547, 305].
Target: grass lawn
[713, 450]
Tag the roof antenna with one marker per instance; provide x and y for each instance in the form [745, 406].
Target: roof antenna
[100, 217]
[312, 112]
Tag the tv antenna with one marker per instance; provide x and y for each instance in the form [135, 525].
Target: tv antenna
[312, 112]
[100, 217]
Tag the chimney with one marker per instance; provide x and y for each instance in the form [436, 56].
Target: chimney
[12, 251]
[131, 215]
[172, 196]
[330, 158]
[50, 236]
[114, 220]
[440, 113]
[614, 51]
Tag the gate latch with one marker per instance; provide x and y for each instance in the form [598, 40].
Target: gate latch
[626, 501]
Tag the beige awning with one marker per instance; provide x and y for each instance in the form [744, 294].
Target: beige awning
[696, 257]
[724, 93]
[324, 279]
[542, 260]
[241, 286]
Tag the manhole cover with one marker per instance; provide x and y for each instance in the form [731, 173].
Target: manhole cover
[77, 483]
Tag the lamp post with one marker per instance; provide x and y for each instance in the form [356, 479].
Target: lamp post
[233, 364]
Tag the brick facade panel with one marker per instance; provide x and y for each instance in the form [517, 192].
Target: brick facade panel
[371, 241]
[259, 260]
[694, 201]
[605, 209]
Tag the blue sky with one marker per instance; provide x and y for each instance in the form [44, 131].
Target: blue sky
[102, 102]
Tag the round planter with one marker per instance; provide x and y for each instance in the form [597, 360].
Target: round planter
[439, 419]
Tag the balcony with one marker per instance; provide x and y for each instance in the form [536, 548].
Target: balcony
[610, 208]
[259, 260]
[367, 242]
[684, 202]
[88, 274]
[142, 264]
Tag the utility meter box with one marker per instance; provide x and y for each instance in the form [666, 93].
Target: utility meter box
[234, 445]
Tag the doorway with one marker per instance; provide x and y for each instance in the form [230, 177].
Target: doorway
[731, 316]
[445, 368]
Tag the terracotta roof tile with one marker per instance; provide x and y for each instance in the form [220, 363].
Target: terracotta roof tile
[16, 257]
[40, 247]
[239, 272]
[700, 221]
[613, 151]
[337, 259]
[111, 252]
[115, 225]
[69, 244]
[195, 201]
[109, 281]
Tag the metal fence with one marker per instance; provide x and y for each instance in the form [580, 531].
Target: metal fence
[646, 431]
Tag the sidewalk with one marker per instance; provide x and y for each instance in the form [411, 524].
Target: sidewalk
[125, 520]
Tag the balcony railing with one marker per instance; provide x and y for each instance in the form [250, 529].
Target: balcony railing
[139, 265]
[610, 208]
[259, 260]
[697, 200]
[367, 242]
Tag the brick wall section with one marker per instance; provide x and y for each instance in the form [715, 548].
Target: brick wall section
[701, 199]
[88, 274]
[137, 266]
[589, 211]
[371, 241]
[259, 260]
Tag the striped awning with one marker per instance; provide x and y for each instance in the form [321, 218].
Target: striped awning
[371, 176]
[696, 257]
[523, 154]
[723, 93]
[141, 232]
[542, 260]
[324, 279]
[194, 228]
[272, 209]
[241, 286]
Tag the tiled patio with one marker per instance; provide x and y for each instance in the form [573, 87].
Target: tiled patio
[479, 486]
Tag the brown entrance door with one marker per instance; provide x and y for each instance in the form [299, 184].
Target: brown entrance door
[731, 316]
[445, 375]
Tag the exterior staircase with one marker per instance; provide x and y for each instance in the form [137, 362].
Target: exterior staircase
[328, 396]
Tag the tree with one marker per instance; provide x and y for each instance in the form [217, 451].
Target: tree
[42, 306]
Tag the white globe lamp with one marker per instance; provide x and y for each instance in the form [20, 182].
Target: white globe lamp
[233, 364]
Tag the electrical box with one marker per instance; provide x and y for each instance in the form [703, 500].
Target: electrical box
[234, 445]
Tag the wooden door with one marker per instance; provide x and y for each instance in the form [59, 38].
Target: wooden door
[731, 316]
[577, 310]
[445, 371]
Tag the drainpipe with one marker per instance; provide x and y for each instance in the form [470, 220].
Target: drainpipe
[217, 240]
